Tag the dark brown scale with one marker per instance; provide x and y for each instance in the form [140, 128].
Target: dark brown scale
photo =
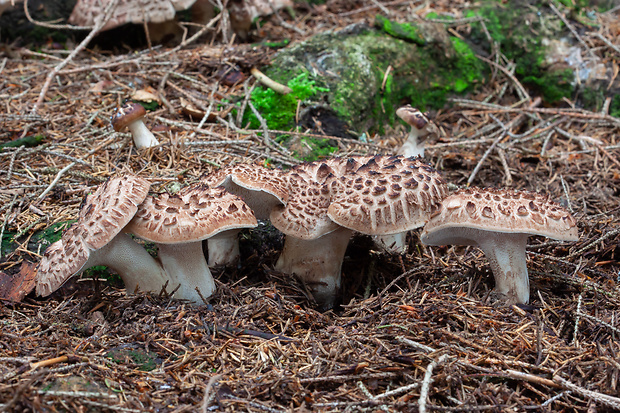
[410, 184]
[396, 187]
[533, 206]
[522, 211]
[378, 190]
[487, 212]
[537, 218]
[470, 208]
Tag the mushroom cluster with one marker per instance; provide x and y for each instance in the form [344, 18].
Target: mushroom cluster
[317, 205]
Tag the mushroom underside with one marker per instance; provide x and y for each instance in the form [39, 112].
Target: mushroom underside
[317, 262]
[223, 248]
[506, 255]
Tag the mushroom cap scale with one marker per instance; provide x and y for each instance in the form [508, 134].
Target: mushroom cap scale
[109, 209]
[251, 177]
[510, 211]
[193, 214]
[126, 114]
[387, 195]
[61, 260]
[305, 215]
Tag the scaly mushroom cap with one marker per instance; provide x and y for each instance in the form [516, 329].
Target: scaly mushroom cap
[61, 260]
[102, 216]
[326, 170]
[305, 215]
[499, 210]
[309, 185]
[252, 177]
[109, 209]
[387, 195]
[126, 114]
[193, 214]
[86, 12]
[412, 116]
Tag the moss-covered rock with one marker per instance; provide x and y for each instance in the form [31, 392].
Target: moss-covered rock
[548, 59]
[363, 74]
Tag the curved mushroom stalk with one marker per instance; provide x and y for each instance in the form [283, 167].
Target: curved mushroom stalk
[413, 146]
[138, 270]
[142, 136]
[223, 248]
[188, 269]
[506, 255]
[317, 262]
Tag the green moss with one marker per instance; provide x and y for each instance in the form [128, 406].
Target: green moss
[614, 107]
[405, 31]
[321, 148]
[145, 361]
[519, 31]
[279, 110]
[592, 98]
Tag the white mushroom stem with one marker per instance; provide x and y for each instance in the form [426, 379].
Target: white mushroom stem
[317, 262]
[413, 146]
[187, 267]
[142, 136]
[392, 244]
[506, 255]
[223, 248]
[136, 267]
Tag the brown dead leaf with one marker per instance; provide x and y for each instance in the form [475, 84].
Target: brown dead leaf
[15, 287]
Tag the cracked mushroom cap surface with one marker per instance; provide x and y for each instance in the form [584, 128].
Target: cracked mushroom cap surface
[305, 215]
[499, 210]
[102, 216]
[253, 177]
[86, 12]
[105, 212]
[387, 195]
[61, 260]
[309, 184]
[195, 213]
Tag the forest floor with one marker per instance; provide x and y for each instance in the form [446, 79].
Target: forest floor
[415, 332]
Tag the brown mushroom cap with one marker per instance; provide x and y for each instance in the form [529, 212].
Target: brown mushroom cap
[193, 214]
[252, 177]
[305, 215]
[102, 217]
[61, 260]
[499, 210]
[86, 12]
[126, 114]
[105, 212]
[387, 195]
[412, 116]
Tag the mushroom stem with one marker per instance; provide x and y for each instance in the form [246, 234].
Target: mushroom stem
[506, 255]
[142, 136]
[187, 267]
[317, 262]
[393, 243]
[412, 146]
[223, 248]
[132, 262]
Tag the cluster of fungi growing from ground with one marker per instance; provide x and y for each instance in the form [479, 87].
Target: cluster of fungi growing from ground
[317, 205]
